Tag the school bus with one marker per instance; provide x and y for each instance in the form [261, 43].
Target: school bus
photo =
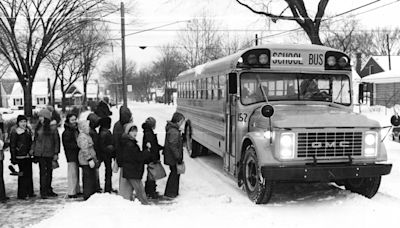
[282, 113]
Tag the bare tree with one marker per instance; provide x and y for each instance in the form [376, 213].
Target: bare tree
[112, 73]
[92, 43]
[298, 13]
[234, 44]
[201, 41]
[34, 28]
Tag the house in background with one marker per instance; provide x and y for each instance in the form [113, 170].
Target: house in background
[377, 64]
[40, 95]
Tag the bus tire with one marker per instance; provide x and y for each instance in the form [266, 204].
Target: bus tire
[367, 186]
[258, 189]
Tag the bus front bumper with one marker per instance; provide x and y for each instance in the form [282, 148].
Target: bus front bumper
[324, 173]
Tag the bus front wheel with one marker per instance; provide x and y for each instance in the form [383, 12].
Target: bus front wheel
[367, 186]
[258, 189]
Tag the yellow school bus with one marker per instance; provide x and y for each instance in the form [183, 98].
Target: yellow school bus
[282, 113]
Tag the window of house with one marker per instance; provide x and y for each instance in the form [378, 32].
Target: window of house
[41, 100]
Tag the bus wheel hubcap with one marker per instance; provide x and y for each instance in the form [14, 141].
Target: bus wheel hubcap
[251, 174]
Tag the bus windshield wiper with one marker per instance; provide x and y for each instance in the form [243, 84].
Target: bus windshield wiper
[262, 89]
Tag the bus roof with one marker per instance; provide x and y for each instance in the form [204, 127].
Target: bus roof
[228, 63]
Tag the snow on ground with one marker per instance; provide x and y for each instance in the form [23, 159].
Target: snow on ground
[209, 198]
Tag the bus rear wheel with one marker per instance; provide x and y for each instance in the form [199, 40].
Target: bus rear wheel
[258, 188]
[367, 186]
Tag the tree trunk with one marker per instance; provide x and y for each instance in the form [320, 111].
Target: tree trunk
[63, 100]
[84, 102]
[314, 37]
[53, 96]
[28, 99]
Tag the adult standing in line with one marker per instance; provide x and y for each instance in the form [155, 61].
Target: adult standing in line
[125, 116]
[71, 149]
[46, 147]
[173, 153]
[20, 148]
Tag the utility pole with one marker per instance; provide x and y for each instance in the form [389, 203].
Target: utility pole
[388, 47]
[125, 100]
[256, 41]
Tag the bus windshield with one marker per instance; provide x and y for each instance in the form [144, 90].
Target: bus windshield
[294, 87]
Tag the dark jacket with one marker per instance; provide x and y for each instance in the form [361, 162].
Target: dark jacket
[125, 116]
[150, 137]
[20, 143]
[70, 144]
[95, 138]
[46, 143]
[106, 143]
[103, 110]
[173, 147]
[133, 159]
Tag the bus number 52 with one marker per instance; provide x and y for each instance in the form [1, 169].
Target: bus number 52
[242, 117]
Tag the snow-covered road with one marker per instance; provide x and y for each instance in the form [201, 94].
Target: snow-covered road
[209, 198]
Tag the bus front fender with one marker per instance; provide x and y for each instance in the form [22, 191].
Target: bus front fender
[262, 145]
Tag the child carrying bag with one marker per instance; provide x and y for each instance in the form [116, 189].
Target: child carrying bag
[156, 170]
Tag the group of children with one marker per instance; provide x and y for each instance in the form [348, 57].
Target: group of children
[86, 149]
[40, 146]
[92, 148]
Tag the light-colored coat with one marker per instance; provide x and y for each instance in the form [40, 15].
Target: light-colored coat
[85, 143]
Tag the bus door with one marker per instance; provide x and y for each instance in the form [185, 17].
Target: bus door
[229, 156]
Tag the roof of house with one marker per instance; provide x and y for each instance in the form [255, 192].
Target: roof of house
[8, 85]
[383, 61]
[383, 77]
[39, 88]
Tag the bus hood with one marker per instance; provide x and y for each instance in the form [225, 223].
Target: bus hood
[315, 116]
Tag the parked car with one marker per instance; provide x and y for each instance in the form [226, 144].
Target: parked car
[6, 110]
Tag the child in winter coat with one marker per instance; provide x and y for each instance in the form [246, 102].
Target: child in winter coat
[87, 159]
[150, 143]
[71, 149]
[106, 148]
[20, 148]
[133, 165]
[46, 147]
[173, 153]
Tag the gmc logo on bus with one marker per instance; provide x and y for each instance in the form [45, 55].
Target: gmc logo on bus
[317, 145]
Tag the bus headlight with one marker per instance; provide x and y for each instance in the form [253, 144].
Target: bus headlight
[370, 144]
[287, 145]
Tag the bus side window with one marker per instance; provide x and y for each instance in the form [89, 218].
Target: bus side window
[209, 88]
[197, 89]
[221, 86]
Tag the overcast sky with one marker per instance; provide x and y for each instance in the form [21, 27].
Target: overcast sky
[230, 16]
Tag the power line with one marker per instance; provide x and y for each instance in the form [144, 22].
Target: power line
[341, 14]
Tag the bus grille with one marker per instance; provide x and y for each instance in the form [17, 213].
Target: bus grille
[329, 144]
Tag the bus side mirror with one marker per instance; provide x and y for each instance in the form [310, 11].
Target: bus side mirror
[395, 120]
[267, 111]
[232, 79]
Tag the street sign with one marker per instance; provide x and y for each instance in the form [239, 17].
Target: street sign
[129, 88]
